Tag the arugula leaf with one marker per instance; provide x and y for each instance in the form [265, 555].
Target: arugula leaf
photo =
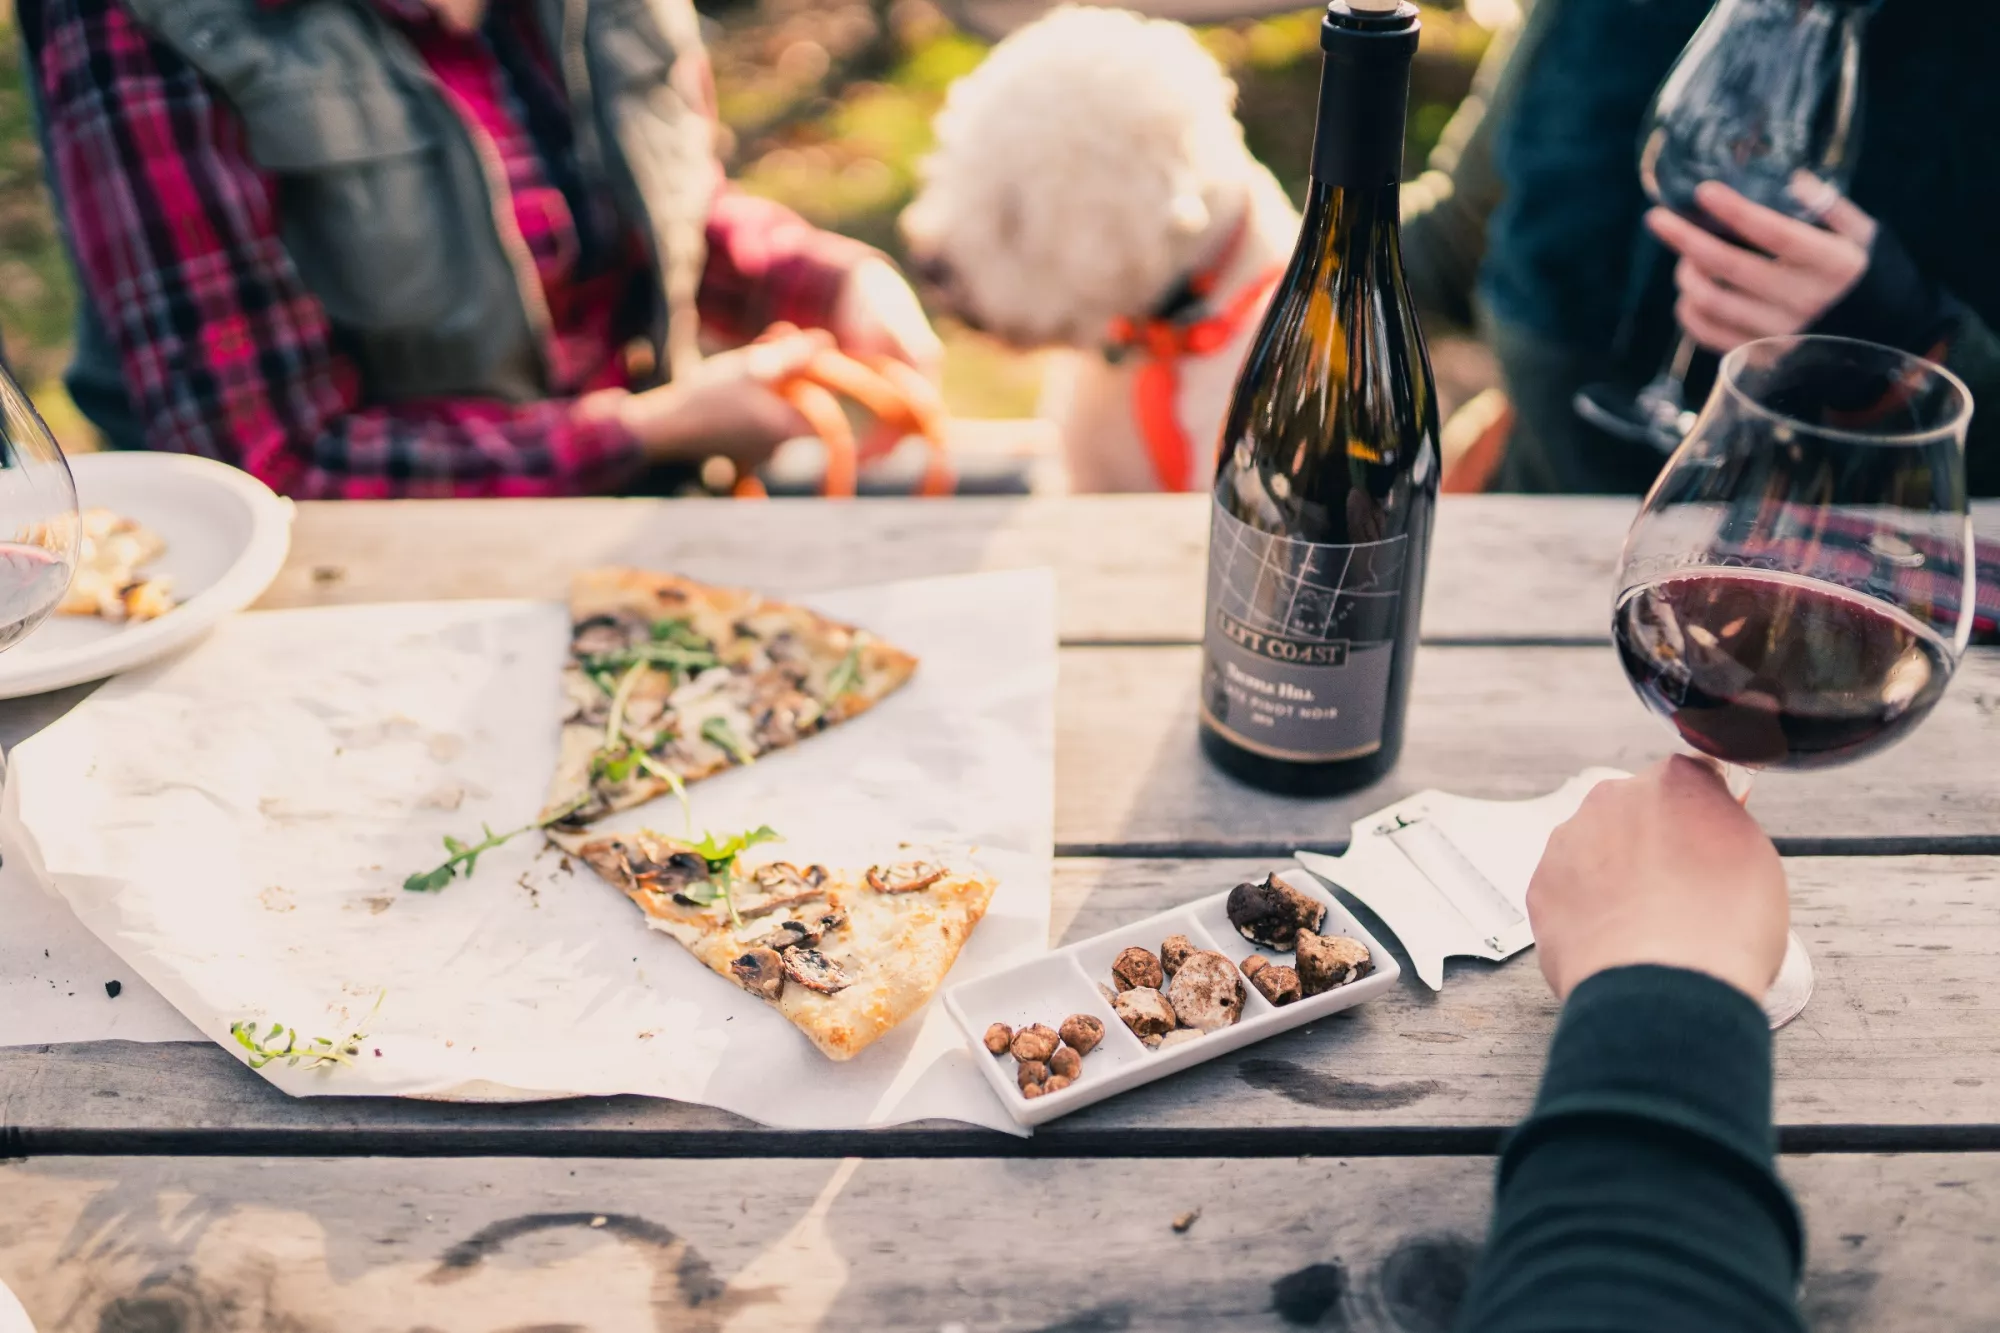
[846, 674]
[680, 632]
[671, 778]
[722, 853]
[717, 732]
[614, 721]
[464, 857]
[670, 656]
[316, 1052]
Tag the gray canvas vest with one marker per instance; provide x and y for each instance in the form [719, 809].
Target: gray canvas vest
[395, 212]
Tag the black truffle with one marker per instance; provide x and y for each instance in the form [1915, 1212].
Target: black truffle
[1273, 913]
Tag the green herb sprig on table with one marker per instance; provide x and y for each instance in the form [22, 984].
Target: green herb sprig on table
[313, 1053]
[465, 856]
[721, 856]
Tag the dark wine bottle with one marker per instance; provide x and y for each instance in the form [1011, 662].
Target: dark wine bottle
[1327, 480]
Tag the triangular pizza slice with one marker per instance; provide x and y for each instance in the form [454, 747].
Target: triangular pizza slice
[845, 956]
[669, 681]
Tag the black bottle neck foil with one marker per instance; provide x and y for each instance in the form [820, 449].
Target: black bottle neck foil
[1364, 94]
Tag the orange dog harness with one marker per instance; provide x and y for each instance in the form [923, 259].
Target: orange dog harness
[1180, 328]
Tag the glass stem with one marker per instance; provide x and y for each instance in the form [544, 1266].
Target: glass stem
[1665, 397]
[1738, 779]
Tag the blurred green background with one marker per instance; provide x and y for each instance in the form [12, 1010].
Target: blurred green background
[827, 106]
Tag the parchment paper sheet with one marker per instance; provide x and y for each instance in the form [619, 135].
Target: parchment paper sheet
[235, 824]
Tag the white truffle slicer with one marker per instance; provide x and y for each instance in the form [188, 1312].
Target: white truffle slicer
[1448, 874]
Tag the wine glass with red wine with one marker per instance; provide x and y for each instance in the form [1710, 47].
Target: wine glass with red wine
[1767, 89]
[39, 526]
[1799, 584]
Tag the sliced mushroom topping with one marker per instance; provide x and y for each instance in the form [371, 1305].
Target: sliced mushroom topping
[793, 934]
[766, 906]
[815, 971]
[598, 636]
[761, 972]
[788, 935]
[904, 877]
[643, 712]
[671, 875]
[781, 877]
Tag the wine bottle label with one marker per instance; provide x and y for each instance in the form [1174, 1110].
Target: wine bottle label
[1299, 639]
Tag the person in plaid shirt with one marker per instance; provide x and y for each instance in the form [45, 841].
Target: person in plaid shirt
[224, 350]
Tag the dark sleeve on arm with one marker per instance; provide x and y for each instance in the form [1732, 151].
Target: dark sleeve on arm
[1640, 1196]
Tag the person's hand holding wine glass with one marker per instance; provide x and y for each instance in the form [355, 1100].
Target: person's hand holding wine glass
[1798, 587]
[1766, 97]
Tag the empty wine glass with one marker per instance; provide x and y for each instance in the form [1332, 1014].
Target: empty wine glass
[1799, 584]
[1767, 89]
[39, 526]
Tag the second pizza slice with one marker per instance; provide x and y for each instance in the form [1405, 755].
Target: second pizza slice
[669, 681]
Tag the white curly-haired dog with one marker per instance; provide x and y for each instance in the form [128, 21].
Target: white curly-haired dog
[1091, 191]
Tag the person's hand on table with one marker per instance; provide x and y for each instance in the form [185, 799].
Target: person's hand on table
[1730, 295]
[878, 314]
[1663, 868]
[726, 406]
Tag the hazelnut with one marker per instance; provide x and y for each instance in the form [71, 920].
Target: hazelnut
[1206, 993]
[998, 1038]
[1180, 1037]
[1254, 964]
[1034, 1090]
[1082, 1032]
[1066, 1062]
[1326, 961]
[1031, 1072]
[1134, 967]
[1146, 1012]
[1273, 913]
[1034, 1044]
[1277, 983]
[1056, 1083]
[1174, 950]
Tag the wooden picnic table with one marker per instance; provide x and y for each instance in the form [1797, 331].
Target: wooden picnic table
[1339, 1173]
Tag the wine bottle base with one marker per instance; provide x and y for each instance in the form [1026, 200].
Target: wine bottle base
[1287, 777]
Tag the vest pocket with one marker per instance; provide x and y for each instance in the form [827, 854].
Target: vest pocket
[368, 217]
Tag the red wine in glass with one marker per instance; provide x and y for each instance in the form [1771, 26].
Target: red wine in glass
[1771, 670]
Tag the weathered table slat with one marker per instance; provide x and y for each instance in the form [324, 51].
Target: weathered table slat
[1895, 1051]
[1505, 568]
[1489, 722]
[1365, 1245]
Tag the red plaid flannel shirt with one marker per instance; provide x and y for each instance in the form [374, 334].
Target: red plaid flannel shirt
[228, 355]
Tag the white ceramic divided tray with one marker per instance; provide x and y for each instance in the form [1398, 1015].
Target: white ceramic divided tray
[1064, 981]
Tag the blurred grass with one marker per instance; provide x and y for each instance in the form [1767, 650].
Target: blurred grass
[827, 107]
[37, 291]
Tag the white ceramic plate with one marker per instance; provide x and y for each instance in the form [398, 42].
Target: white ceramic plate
[227, 536]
